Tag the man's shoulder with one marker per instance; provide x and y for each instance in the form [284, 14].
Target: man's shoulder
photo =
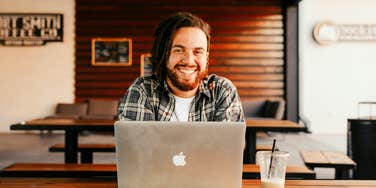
[145, 80]
[146, 83]
[219, 82]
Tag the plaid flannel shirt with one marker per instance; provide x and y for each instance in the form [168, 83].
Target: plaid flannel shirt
[149, 100]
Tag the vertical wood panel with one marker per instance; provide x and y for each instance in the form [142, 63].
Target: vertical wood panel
[247, 42]
[291, 59]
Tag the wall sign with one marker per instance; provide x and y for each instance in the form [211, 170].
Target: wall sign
[146, 66]
[111, 51]
[32, 29]
[328, 32]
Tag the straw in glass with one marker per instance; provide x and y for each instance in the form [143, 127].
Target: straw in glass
[271, 158]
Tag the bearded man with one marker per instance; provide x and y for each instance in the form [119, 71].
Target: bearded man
[180, 88]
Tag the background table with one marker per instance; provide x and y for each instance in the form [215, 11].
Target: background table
[71, 128]
[267, 125]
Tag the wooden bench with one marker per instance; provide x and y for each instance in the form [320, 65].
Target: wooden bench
[86, 150]
[250, 171]
[326, 159]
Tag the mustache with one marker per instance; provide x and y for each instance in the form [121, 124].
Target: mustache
[187, 65]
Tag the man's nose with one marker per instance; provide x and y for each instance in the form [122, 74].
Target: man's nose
[188, 57]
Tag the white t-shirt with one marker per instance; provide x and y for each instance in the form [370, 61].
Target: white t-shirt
[182, 106]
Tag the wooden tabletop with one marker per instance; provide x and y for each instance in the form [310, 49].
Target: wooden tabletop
[68, 122]
[111, 183]
[267, 123]
[61, 124]
[317, 183]
[326, 158]
[58, 182]
[274, 124]
[64, 124]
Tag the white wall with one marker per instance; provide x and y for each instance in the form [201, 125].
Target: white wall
[335, 77]
[34, 79]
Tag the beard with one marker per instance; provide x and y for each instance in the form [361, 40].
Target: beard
[183, 84]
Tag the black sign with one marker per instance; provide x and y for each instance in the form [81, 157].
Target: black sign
[30, 29]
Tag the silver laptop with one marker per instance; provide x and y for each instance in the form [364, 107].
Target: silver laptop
[156, 154]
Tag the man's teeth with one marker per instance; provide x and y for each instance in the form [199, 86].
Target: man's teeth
[187, 71]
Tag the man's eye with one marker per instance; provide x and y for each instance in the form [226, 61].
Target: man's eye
[199, 52]
[177, 50]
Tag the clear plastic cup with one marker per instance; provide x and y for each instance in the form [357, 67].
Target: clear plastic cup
[272, 176]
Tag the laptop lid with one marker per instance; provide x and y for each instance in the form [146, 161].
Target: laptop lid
[179, 154]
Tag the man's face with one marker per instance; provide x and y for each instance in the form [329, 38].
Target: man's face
[187, 64]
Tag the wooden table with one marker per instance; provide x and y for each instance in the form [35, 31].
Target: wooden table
[341, 163]
[111, 183]
[270, 125]
[250, 171]
[72, 128]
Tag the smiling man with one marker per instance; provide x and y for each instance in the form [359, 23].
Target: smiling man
[180, 88]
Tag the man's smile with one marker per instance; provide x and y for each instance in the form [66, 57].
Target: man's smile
[186, 70]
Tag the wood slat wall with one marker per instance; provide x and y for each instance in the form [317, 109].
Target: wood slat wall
[247, 42]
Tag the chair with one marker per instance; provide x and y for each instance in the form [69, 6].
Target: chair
[264, 108]
[69, 111]
[101, 109]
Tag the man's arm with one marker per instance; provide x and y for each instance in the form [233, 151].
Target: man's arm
[228, 106]
[135, 105]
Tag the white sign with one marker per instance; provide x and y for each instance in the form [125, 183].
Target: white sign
[328, 32]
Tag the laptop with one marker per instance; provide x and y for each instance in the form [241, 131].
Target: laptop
[157, 154]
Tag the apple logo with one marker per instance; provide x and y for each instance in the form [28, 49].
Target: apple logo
[179, 159]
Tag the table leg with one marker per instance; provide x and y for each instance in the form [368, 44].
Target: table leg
[342, 173]
[71, 143]
[250, 149]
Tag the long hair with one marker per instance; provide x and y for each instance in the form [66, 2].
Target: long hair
[163, 38]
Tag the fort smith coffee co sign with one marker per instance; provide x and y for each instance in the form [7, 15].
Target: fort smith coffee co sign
[30, 29]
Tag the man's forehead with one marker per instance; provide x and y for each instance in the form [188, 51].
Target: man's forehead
[190, 37]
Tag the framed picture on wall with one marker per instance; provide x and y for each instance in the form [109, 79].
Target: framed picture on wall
[111, 51]
[146, 67]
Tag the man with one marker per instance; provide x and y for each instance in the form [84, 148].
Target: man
[180, 88]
